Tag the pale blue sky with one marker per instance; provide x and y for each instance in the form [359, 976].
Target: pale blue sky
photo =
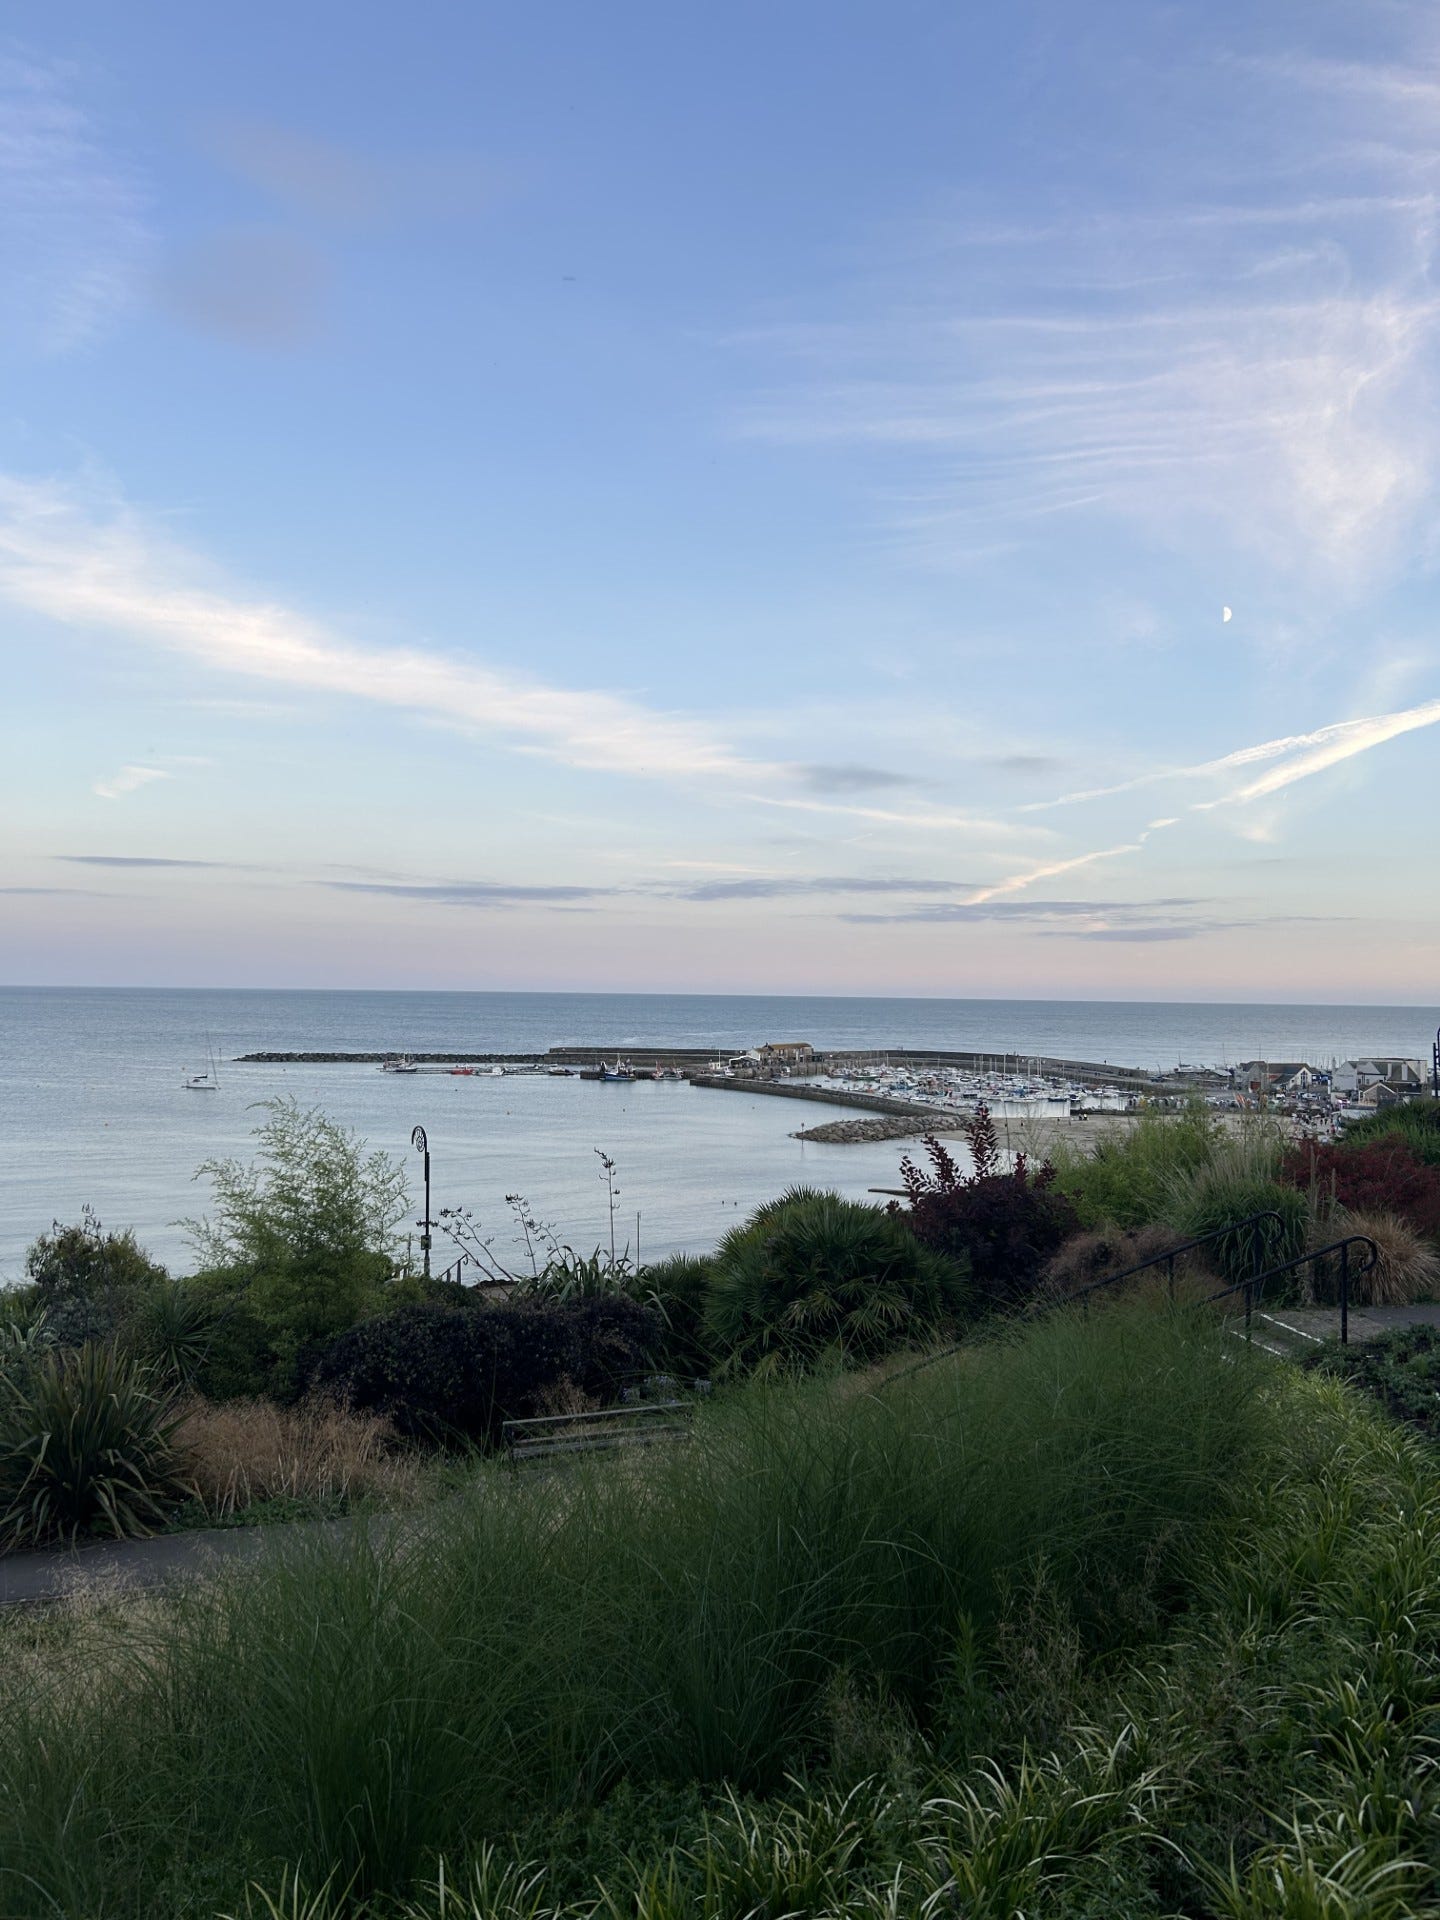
[661, 497]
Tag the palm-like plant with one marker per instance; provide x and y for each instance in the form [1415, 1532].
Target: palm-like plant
[813, 1276]
[171, 1329]
[85, 1442]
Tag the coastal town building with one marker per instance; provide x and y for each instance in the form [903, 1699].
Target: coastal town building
[774, 1057]
[1403, 1078]
[1276, 1076]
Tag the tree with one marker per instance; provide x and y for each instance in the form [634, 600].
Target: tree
[89, 1282]
[307, 1231]
[85, 1261]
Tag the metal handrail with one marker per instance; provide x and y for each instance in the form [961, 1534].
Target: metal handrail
[1251, 1287]
[1172, 1254]
[1168, 1259]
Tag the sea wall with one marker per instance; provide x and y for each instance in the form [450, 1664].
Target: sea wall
[828, 1096]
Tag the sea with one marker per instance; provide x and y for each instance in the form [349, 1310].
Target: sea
[94, 1112]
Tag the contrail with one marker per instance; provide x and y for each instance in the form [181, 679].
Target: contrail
[1313, 752]
[1017, 882]
[1326, 748]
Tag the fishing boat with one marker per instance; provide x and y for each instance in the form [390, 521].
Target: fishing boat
[622, 1070]
[398, 1063]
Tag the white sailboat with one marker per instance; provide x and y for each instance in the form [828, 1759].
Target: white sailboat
[209, 1080]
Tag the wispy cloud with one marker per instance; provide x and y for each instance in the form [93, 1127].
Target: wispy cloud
[139, 860]
[1259, 364]
[73, 234]
[129, 779]
[1052, 869]
[1301, 756]
[849, 777]
[786, 886]
[97, 564]
[918, 819]
[473, 893]
[1100, 913]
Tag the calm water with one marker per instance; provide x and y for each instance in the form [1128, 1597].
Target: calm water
[92, 1109]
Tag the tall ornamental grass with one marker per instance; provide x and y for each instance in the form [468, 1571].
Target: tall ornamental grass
[1271, 1754]
[1126, 1177]
[354, 1707]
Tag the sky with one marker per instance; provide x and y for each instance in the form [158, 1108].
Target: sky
[806, 497]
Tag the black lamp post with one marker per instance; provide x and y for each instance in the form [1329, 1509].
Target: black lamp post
[1435, 1067]
[422, 1147]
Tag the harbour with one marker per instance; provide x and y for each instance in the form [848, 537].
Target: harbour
[94, 1109]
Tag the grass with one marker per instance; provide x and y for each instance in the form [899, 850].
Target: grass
[1271, 1752]
[1126, 1175]
[825, 1573]
[1407, 1266]
[247, 1454]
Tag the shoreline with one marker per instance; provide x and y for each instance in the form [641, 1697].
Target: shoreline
[1027, 1133]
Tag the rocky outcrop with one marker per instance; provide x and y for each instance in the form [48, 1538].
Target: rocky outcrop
[851, 1133]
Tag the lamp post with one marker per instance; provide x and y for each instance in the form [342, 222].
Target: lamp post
[422, 1147]
[1435, 1067]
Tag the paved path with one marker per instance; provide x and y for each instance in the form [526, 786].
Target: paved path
[1293, 1330]
[113, 1565]
[31, 1578]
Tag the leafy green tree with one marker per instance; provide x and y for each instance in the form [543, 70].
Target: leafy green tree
[305, 1235]
[87, 1282]
[86, 1261]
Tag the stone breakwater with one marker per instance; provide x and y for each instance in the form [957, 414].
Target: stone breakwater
[853, 1133]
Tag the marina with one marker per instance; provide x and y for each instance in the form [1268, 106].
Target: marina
[94, 1110]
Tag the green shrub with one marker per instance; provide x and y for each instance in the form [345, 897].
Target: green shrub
[812, 1277]
[1400, 1368]
[1126, 1178]
[239, 1360]
[86, 1261]
[677, 1289]
[85, 1445]
[442, 1371]
[88, 1282]
[1416, 1122]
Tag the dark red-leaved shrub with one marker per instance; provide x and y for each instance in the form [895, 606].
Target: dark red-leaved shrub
[1378, 1176]
[1008, 1223]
